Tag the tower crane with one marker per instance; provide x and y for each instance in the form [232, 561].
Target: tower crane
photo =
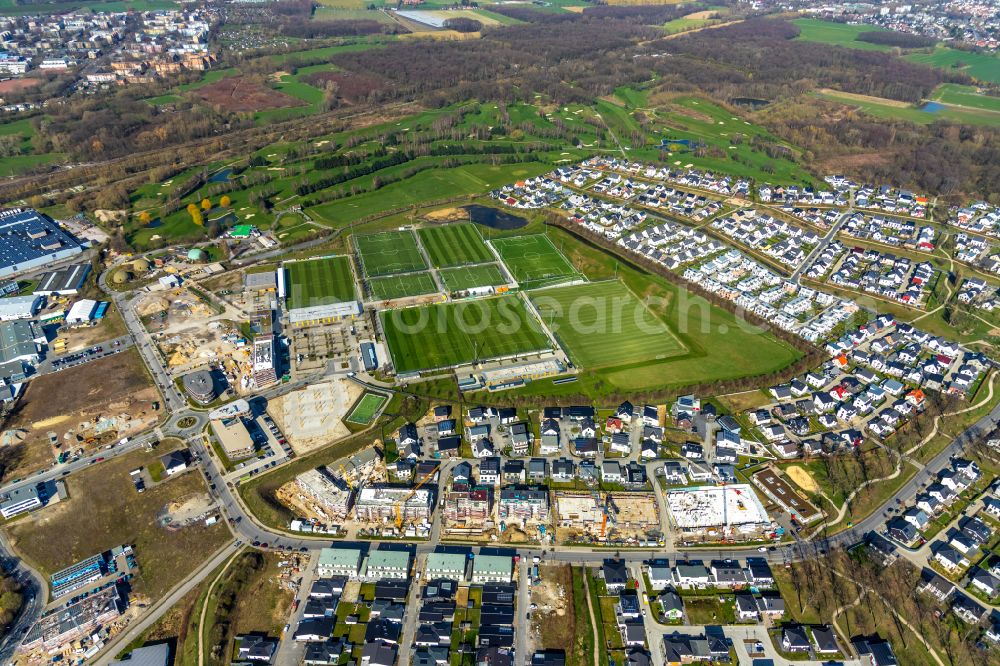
[413, 491]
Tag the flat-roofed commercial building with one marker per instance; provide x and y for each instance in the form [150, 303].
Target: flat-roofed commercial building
[339, 562]
[200, 386]
[20, 341]
[492, 569]
[20, 307]
[63, 282]
[29, 239]
[234, 437]
[20, 500]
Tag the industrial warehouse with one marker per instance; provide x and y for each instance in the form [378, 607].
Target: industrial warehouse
[32, 240]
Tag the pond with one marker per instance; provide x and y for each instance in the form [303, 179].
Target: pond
[752, 102]
[494, 218]
[220, 176]
[932, 107]
[155, 223]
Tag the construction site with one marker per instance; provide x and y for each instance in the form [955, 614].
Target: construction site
[313, 347]
[720, 512]
[313, 416]
[595, 517]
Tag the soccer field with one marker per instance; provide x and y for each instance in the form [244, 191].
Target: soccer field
[439, 336]
[366, 408]
[534, 260]
[469, 277]
[454, 245]
[319, 282]
[604, 325]
[389, 252]
[400, 286]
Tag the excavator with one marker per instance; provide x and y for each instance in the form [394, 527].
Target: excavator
[413, 491]
[609, 514]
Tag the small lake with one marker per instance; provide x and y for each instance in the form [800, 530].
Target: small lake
[154, 224]
[494, 218]
[932, 107]
[220, 176]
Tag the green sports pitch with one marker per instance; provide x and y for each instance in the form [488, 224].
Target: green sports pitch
[401, 286]
[603, 324]
[448, 334]
[366, 408]
[470, 277]
[533, 260]
[454, 245]
[319, 282]
[389, 252]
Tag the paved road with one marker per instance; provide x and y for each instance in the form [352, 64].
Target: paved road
[118, 643]
[34, 590]
[249, 530]
[830, 235]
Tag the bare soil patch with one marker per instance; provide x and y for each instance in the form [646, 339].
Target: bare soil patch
[237, 93]
[16, 85]
[802, 478]
[104, 510]
[85, 407]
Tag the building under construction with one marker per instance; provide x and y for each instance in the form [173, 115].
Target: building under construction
[75, 621]
[603, 515]
[329, 497]
[467, 506]
[526, 504]
[382, 503]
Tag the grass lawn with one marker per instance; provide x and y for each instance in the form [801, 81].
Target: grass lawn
[438, 336]
[400, 286]
[967, 96]
[887, 108]
[104, 511]
[838, 34]
[319, 282]
[389, 252]
[428, 185]
[602, 324]
[366, 408]
[454, 245]
[469, 277]
[18, 164]
[719, 345]
[709, 610]
[982, 66]
[533, 260]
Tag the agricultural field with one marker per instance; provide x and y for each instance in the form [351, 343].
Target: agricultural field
[454, 245]
[402, 286]
[534, 260]
[389, 252]
[366, 408]
[603, 324]
[470, 277]
[838, 34]
[444, 335]
[319, 282]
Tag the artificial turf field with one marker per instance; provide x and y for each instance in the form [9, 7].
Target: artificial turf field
[603, 324]
[469, 277]
[319, 282]
[401, 286]
[366, 408]
[447, 334]
[454, 245]
[533, 260]
[389, 252]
